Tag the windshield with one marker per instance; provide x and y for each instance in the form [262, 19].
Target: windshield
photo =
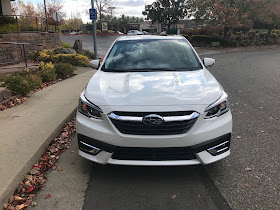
[151, 55]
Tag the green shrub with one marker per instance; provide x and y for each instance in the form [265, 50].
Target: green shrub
[87, 53]
[263, 35]
[242, 28]
[8, 28]
[22, 84]
[7, 20]
[47, 72]
[64, 70]
[36, 80]
[274, 35]
[203, 40]
[73, 59]
[66, 45]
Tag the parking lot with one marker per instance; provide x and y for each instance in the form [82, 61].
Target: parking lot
[247, 179]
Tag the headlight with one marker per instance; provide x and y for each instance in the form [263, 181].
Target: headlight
[218, 108]
[88, 109]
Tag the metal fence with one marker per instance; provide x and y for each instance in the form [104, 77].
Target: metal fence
[18, 53]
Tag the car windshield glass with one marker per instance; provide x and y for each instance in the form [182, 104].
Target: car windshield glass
[151, 55]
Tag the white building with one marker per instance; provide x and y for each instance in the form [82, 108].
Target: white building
[5, 7]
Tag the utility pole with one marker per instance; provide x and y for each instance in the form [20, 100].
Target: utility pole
[94, 32]
[45, 6]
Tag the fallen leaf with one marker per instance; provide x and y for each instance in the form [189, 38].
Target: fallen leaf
[17, 198]
[33, 203]
[33, 171]
[48, 196]
[238, 137]
[30, 189]
[18, 207]
[31, 195]
[11, 198]
[173, 196]
[262, 131]
[248, 169]
[10, 208]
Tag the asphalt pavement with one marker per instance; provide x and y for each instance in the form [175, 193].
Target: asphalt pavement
[247, 179]
[103, 42]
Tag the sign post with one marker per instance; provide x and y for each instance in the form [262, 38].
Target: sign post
[57, 17]
[92, 15]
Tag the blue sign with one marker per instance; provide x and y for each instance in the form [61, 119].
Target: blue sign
[92, 14]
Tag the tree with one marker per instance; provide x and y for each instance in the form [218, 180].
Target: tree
[166, 11]
[227, 13]
[72, 24]
[267, 12]
[27, 13]
[102, 7]
[52, 7]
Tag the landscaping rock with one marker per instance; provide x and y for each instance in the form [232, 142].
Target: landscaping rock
[2, 91]
[78, 45]
[64, 51]
[7, 94]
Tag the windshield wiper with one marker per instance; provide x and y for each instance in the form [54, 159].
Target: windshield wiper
[145, 70]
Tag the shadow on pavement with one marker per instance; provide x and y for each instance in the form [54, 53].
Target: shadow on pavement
[129, 187]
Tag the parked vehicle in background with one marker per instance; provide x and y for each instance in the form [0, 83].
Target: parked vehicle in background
[118, 32]
[145, 32]
[134, 32]
[153, 102]
[73, 33]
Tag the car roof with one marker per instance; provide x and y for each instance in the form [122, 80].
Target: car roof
[149, 37]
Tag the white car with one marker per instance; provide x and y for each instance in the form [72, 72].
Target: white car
[153, 102]
[73, 33]
[134, 32]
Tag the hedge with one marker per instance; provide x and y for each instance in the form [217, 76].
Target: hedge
[73, 59]
[202, 40]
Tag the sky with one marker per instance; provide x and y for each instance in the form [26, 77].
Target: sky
[79, 8]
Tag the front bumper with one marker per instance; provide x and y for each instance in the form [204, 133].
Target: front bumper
[205, 134]
[196, 154]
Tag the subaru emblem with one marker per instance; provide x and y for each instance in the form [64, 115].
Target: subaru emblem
[153, 120]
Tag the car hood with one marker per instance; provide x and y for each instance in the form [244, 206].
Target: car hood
[153, 88]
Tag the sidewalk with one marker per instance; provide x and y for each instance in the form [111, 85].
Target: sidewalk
[26, 130]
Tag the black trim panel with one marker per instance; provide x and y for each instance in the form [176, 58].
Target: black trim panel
[112, 148]
[211, 143]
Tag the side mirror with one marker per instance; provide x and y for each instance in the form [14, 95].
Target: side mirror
[208, 62]
[94, 63]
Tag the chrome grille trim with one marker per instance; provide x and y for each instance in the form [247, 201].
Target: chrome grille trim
[166, 119]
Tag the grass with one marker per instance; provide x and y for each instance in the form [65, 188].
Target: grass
[66, 45]
[260, 30]
[8, 28]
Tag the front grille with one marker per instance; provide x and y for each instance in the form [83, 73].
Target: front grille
[163, 114]
[167, 128]
[154, 154]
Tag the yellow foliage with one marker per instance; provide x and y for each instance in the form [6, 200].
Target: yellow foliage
[73, 59]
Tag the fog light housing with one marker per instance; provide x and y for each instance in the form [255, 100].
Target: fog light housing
[88, 148]
[219, 149]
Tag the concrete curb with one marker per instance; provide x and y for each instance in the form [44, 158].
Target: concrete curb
[37, 154]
